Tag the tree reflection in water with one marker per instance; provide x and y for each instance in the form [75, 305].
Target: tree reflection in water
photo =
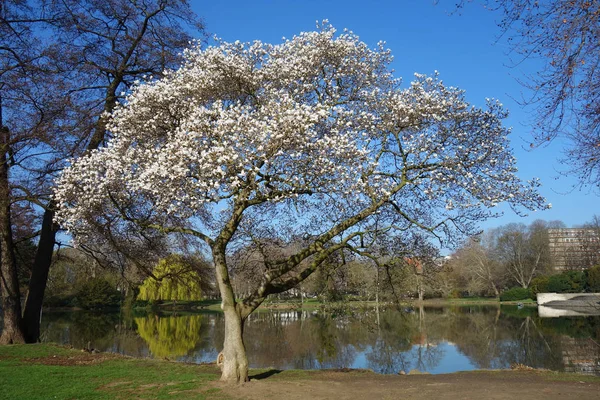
[170, 336]
[80, 329]
[429, 339]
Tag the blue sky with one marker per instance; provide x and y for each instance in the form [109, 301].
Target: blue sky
[424, 37]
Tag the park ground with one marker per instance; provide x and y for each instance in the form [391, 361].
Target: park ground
[45, 371]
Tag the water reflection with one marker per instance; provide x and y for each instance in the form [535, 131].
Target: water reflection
[435, 340]
[170, 336]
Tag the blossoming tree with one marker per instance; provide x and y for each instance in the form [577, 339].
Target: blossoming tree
[310, 137]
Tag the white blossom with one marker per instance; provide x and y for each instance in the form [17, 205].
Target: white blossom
[320, 113]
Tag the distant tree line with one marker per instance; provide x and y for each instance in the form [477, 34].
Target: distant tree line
[511, 262]
[520, 256]
[78, 280]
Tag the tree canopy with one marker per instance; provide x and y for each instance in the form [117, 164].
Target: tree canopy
[313, 137]
[173, 279]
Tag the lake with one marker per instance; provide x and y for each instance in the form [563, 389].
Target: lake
[432, 339]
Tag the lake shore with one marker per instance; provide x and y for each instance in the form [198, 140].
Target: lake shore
[311, 305]
[43, 371]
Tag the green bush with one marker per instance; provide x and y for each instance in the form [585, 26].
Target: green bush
[98, 293]
[539, 285]
[558, 284]
[593, 279]
[514, 294]
[567, 282]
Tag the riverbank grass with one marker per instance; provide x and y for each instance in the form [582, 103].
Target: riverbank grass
[44, 371]
[315, 304]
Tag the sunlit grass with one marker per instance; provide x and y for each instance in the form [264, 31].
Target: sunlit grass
[49, 372]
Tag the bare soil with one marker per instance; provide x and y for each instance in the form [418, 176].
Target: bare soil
[530, 385]
[523, 383]
[84, 358]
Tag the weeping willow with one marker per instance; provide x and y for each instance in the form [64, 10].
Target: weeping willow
[175, 281]
[170, 336]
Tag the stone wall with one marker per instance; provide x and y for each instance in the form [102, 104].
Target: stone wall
[543, 298]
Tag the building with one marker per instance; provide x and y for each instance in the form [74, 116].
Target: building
[574, 248]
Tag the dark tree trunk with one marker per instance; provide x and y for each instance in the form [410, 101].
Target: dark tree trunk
[45, 250]
[9, 282]
[110, 103]
[39, 276]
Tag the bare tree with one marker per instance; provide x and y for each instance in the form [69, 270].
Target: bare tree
[475, 260]
[27, 111]
[524, 251]
[565, 36]
[90, 51]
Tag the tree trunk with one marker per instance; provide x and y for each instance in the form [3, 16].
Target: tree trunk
[43, 256]
[495, 289]
[39, 276]
[232, 360]
[12, 332]
[9, 281]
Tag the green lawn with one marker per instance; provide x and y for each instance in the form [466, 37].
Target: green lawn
[46, 371]
[314, 304]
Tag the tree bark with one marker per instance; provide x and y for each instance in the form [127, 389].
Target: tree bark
[232, 360]
[9, 283]
[39, 276]
[495, 289]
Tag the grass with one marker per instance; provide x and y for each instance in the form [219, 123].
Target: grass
[44, 371]
[47, 371]
[314, 304]
[181, 305]
[545, 374]
[569, 377]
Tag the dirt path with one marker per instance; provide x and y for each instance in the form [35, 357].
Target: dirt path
[505, 385]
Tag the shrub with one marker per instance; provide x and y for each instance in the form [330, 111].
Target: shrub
[558, 284]
[98, 293]
[593, 279]
[578, 280]
[514, 294]
[567, 282]
[539, 285]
